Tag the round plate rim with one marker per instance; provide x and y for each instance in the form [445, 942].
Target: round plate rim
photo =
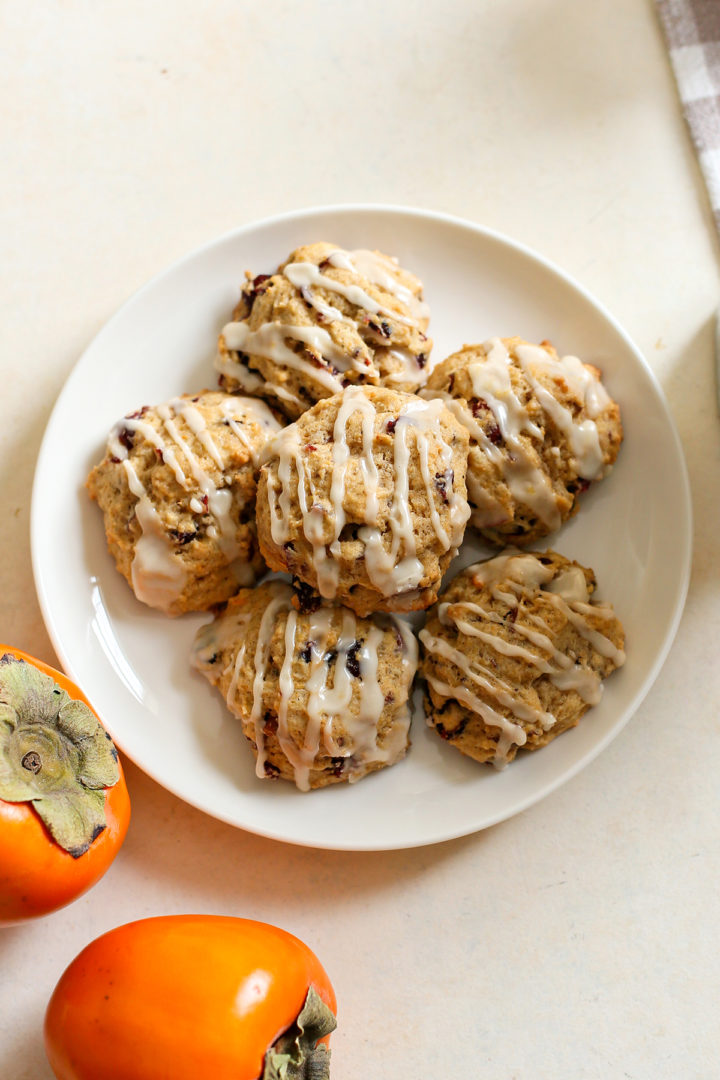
[395, 210]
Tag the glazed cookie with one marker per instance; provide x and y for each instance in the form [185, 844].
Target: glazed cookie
[325, 320]
[514, 653]
[322, 695]
[363, 499]
[177, 490]
[542, 428]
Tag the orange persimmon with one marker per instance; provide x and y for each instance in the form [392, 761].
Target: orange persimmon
[191, 996]
[64, 806]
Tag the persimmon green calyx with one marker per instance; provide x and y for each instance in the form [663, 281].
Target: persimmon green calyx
[298, 1055]
[54, 754]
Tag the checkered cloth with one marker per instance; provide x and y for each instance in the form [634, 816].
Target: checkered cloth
[692, 29]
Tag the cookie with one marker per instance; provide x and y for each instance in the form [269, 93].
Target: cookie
[514, 653]
[363, 499]
[322, 695]
[325, 320]
[177, 489]
[542, 429]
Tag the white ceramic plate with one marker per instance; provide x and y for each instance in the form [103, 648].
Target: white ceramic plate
[633, 529]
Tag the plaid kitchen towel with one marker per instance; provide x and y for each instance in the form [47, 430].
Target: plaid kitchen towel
[692, 29]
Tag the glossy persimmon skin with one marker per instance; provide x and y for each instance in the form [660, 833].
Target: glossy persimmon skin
[37, 876]
[179, 997]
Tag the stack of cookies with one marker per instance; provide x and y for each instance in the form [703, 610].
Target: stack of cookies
[336, 454]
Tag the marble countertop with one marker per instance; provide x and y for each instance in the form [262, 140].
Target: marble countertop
[578, 940]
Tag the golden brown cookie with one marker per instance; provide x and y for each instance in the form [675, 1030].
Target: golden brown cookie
[514, 653]
[326, 319]
[363, 499]
[542, 428]
[322, 695]
[177, 489]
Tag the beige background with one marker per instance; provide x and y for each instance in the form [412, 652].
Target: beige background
[580, 939]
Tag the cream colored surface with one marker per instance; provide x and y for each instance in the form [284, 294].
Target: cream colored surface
[579, 940]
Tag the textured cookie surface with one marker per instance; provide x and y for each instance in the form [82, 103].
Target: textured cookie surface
[363, 499]
[322, 695]
[177, 489]
[542, 428]
[515, 652]
[326, 319]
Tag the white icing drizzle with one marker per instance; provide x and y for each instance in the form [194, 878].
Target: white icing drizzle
[571, 584]
[391, 570]
[486, 509]
[525, 569]
[219, 500]
[381, 270]
[523, 572]
[196, 422]
[234, 409]
[287, 689]
[325, 706]
[488, 682]
[437, 525]
[176, 452]
[137, 424]
[327, 311]
[396, 741]
[253, 383]
[304, 275]
[411, 374]
[560, 669]
[237, 668]
[581, 379]
[289, 450]
[323, 700]
[583, 437]
[218, 637]
[158, 576]
[385, 569]
[491, 381]
[599, 642]
[521, 474]
[427, 421]
[279, 602]
[270, 340]
[509, 578]
[520, 468]
[510, 734]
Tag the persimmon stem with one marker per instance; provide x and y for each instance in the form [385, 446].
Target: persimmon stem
[298, 1053]
[32, 762]
[54, 754]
